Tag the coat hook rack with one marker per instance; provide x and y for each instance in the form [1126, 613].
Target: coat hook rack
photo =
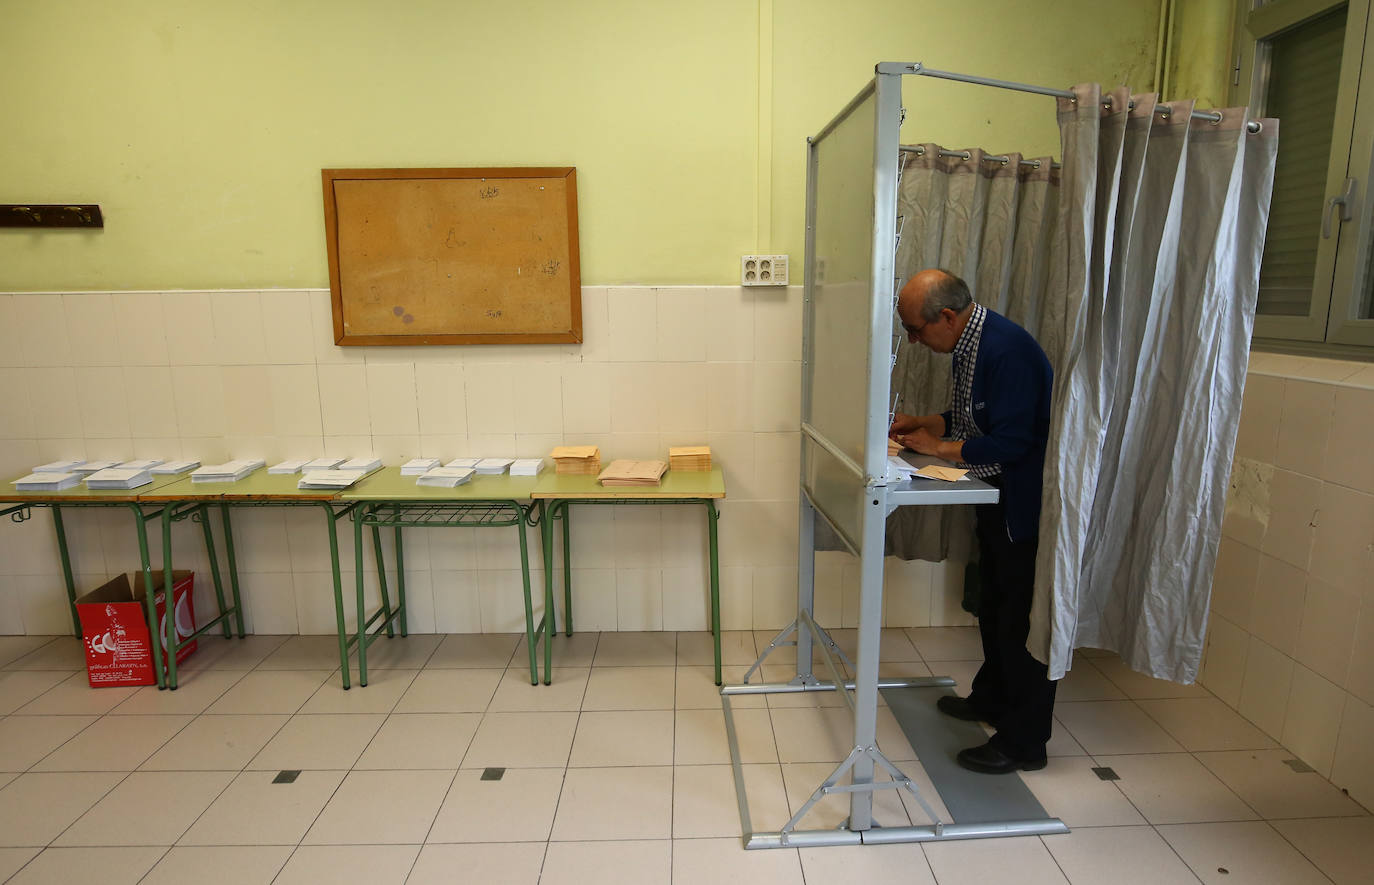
[50, 215]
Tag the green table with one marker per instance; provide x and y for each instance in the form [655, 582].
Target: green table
[142, 503]
[558, 493]
[258, 489]
[390, 500]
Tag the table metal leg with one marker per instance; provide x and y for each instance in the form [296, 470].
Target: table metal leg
[141, 529]
[529, 602]
[169, 613]
[66, 567]
[233, 570]
[546, 535]
[361, 605]
[567, 571]
[203, 511]
[400, 584]
[381, 581]
[712, 517]
[329, 520]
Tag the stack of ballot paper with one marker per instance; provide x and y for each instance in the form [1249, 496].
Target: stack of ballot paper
[93, 466]
[624, 472]
[526, 466]
[58, 467]
[330, 479]
[366, 464]
[689, 457]
[463, 462]
[229, 471]
[141, 464]
[418, 466]
[172, 468]
[576, 460]
[46, 481]
[322, 464]
[118, 478]
[287, 467]
[898, 470]
[492, 466]
[445, 477]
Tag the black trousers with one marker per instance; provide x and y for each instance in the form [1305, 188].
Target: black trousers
[1011, 689]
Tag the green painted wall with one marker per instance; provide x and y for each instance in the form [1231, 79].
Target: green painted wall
[201, 127]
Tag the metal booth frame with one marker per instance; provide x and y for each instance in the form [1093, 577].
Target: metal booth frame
[844, 476]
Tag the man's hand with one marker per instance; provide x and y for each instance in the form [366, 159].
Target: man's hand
[922, 441]
[903, 424]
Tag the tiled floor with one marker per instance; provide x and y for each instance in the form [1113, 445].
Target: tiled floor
[618, 772]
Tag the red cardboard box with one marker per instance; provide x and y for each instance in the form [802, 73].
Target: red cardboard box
[114, 625]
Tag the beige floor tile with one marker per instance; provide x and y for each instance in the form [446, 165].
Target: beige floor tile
[962, 672]
[220, 865]
[979, 861]
[374, 864]
[520, 805]
[711, 861]
[801, 780]
[12, 648]
[1202, 724]
[62, 653]
[35, 808]
[1113, 728]
[1138, 685]
[115, 866]
[450, 691]
[1241, 852]
[649, 862]
[304, 653]
[216, 743]
[947, 643]
[1175, 788]
[632, 688]
[697, 689]
[26, 739]
[381, 808]
[782, 654]
[1070, 791]
[869, 864]
[421, 740]
[218, 653]
[270, 691]
[1062, 743]
[479, 650]
[195, 692]
[1274, 790]
[522, 740]
[1119, 855]
[895, 645]
[255, 811]
[705, 805]
[18, 687]
[11, 859]
[623, 737]
[114, 743]
[400, 652]
[808, 699]
[1341, 848]
[826, 734]
[510, 863]
[148, 808]
[636, 650]
[515, 694]
[698, 648]
[74, 696]
[615, 803]
[322, 741]
[1086, 683]
[700, 737]
[384, 688]
[576, 650]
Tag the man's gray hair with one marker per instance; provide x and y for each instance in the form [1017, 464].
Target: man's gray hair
[948, 291]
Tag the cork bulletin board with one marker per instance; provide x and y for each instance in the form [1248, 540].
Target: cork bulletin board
[453, 256]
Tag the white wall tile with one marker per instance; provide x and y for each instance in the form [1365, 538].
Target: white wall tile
[43, 602]
[683, 394]
[732, 328]
[777, 466]
[150, 395]
[343, 400]
[686, 599]
[906, 592]
[592, 531]
[537, 397]
[639, 599]
[91, 329]
[1353, 766]
[490, 445]
[1343, 548]
[1347, 459]
[1327, 636]
[11, 333]
[1234, 580]
[105, 411]
[420, 613]
[190, 329]
[491, 404]
[43, 325]
[594, 597]
[1293, 505]
[683, 535]
[238, 328]
[54, 402]
[734, 452]
[502, 601]
[16, 417]
[456, 606]
[775, 596]
[636, 446]
[198, 392]
[396, 450]
[777, 397]
[635, 398]
[684, 324]
[392, 399]
[294, 395]
[1304, 425]
[322, 332]
[638, 536]
[249, 406]
[441, 398]
[777, 324]
[1264, 694]
[347, 446]
[737, 597]
[1314, 719]
[141, 328]
[1280, 591]
[11, 612]
[596, 327]
[1359, 679]
[288, 337]
[260, 540]
[1224, 669]
[730, 397]
[1259, 418]
[633, 315]
[586, 398]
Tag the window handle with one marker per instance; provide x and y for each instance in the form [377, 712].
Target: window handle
[1346, 201]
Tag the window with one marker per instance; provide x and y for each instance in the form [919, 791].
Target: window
[1302, 61]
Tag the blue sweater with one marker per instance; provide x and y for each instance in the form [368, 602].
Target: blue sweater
[1011, 406]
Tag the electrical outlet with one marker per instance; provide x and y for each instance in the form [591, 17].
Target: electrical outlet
[763, 270]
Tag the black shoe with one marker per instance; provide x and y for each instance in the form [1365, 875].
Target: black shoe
[987, 759]
[959, 708]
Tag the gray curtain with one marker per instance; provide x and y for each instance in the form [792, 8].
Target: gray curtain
[1160, 259]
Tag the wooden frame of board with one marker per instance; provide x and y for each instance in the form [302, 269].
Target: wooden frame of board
[453, 256]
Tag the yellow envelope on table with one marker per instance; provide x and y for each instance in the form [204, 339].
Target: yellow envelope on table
[948, 474]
